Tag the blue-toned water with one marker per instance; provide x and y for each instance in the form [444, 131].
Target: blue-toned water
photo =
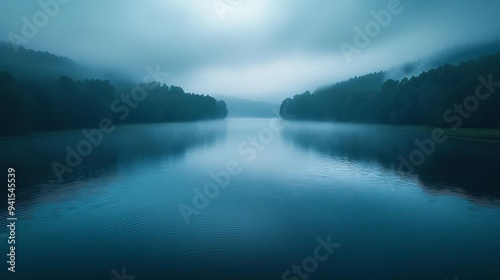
[285, 189]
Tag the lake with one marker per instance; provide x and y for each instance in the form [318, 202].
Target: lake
[254, 199]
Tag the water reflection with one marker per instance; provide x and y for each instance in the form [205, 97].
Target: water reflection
[461, 166]
[120, 208]
[126, 147]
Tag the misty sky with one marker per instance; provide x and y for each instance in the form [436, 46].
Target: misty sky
[259, 49]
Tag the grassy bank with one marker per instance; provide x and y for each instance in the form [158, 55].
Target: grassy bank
[475, 133]
[470, 133]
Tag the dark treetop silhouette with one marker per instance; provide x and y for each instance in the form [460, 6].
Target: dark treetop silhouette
[428, 99]
[39, 101]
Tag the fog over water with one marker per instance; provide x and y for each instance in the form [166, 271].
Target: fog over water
[122, 206]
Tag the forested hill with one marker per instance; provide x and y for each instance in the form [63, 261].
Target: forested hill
[30, 103]
[27, 63]
[465, 95]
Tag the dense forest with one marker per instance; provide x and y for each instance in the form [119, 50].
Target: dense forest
[464, 95]
[41, 102]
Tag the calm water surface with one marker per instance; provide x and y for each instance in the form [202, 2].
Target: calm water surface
[120, 207]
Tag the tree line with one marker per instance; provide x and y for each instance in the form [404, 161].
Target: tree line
[463, 95]
[44, 104]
